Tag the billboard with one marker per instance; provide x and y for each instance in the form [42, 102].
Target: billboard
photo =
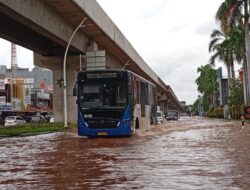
[16, 104]
[27, 95]
[5, 107]
[28, 85]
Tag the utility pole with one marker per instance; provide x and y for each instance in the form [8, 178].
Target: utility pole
[13, 70]
[81, 25]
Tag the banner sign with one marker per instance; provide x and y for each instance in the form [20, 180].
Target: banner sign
[2, 99]
[43, 85]
[16, 104]
[5, 107]
[29, 81]
[27, 95]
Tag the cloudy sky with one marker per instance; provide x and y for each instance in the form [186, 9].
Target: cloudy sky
[171, 36]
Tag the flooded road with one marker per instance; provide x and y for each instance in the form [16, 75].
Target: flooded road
[188, 154]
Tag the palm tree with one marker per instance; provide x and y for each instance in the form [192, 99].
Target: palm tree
[236, 36]
[207, 83]
[222, 49]
[227, 48]
[232, 13]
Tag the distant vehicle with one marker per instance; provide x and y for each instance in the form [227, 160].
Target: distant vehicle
[48, 117]
[159, 117]
[14, 120]
[172, 115]
[27, 118]
[38, 119]
[51, 119]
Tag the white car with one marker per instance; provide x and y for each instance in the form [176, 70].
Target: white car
[172, 115]
[14, 120]
[159, 117]
[52, 119]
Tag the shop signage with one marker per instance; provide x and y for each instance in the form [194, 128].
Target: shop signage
[5, 107]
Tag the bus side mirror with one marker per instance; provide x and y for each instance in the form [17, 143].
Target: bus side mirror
[75, 90]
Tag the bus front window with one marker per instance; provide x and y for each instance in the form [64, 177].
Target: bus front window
[90, 96]
[103, 93]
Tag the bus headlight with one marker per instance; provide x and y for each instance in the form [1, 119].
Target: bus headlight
[125, 122]
[86, 124]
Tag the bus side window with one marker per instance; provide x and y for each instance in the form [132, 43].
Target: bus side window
[146, 94]
[135, 95]
[130, 85]
[142, 98]
[138, 93]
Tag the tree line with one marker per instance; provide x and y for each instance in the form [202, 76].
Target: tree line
[230, 44]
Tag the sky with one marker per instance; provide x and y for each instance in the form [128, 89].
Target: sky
[171, 36]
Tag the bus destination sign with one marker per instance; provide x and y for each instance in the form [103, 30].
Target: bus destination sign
[101, 75]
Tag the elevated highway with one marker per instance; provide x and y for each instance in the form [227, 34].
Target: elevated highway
[45, 26]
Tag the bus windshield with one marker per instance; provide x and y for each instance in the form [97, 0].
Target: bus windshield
[103, 93]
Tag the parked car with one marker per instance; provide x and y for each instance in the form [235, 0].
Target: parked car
[172, 115]
[51, 119]
[159, 117]
[48, 117]
[38, 119]
[14, 120]
[27, 118]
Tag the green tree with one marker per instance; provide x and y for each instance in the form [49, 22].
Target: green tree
[195, 107]
[207, 84]
[237, 97]
[227, 48]
[235, 14]
[221, 46]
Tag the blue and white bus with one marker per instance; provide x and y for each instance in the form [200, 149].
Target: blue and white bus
[114, 103]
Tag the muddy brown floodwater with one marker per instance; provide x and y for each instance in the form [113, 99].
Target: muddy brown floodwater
[192, 153]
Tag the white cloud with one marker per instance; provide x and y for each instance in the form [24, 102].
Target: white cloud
[171, 36]
[5, 50]
[24, 56]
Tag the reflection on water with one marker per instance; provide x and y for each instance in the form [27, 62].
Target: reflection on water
[200, 158]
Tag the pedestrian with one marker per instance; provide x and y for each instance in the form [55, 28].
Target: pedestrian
[242, 122]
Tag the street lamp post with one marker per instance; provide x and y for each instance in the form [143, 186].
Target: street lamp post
[64, 72]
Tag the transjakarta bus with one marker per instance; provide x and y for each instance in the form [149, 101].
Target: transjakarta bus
[113, 103]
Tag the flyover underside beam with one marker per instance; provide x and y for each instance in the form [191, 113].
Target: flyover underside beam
[102, 30]
[22, 35]
[44, 21]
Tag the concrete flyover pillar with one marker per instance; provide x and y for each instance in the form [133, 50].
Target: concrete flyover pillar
[56, 65]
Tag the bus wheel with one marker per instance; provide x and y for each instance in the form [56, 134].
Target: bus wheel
[137, 123]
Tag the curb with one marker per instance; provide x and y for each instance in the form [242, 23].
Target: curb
[29, 134]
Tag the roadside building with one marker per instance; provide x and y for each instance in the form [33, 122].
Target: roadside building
[24, 92]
